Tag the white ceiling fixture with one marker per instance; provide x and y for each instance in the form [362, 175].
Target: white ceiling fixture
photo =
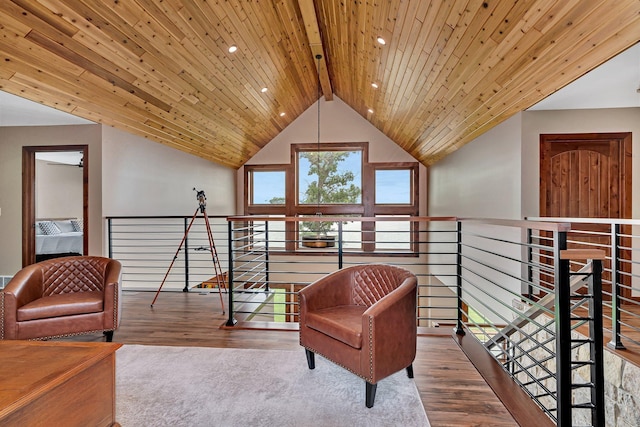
[69, 158]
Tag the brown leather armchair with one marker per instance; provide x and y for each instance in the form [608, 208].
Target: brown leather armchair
[62, 297]
[362, 318]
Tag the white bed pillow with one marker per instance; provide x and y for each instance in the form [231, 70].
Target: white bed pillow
[64, 226]
[49, 228]
[78, 224]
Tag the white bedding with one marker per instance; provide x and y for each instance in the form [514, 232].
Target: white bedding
[61, 243]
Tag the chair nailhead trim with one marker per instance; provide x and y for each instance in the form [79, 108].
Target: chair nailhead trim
[115, 305]
[371, 347]
[336, 363]
[74, 334]
[1, 315]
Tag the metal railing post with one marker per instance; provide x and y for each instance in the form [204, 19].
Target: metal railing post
[266, 255]
[231, 321]
[340, 260]
[597, 351]
[615, 342]
[459, 327]
[529, 262]
[110, 236]
[562, 284]
[186, 256]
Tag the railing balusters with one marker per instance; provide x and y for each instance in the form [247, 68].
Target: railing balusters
[459, 326]
[512, 290]
[616, 341]
[186, 256]
[230, 230]
[564, 395]
[595, 346]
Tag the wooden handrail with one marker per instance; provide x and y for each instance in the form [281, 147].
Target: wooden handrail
[573, 254]
[324, 218]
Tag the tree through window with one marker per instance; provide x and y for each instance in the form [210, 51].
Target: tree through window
[329, 177]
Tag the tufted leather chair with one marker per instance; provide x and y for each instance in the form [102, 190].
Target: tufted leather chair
[362, 318]
[62, 297]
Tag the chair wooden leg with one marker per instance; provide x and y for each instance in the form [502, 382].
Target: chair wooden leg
[410, 371]
[109, 335]
[370, 394]
[311, 358]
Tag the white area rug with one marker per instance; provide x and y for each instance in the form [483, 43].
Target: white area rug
[195, 386]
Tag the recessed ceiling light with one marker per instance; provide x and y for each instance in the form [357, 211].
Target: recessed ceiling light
[263, 90]
[233, 48]
[282, 114]
[381, 40]
[370, 110]
[374, 85]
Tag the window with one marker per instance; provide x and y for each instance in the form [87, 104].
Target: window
[348, 186]
[265, 189]
[393, 186]
[340, 175]
[268, 188]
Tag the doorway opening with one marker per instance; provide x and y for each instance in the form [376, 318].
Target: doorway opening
[55, 188]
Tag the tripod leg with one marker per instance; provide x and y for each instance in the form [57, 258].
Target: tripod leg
[214, 256]
[175, 257]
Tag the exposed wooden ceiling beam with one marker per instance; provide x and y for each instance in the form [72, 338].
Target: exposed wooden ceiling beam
[310, 19]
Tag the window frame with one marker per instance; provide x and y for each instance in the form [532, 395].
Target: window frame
[366, 208]
[328, 209]
[411, 208]
[266, 209]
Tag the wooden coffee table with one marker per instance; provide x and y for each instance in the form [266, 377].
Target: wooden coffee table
[57, 383]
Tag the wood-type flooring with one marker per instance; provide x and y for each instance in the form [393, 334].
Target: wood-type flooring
[452, 390]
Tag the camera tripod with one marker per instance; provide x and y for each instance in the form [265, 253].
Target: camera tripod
[219, 275]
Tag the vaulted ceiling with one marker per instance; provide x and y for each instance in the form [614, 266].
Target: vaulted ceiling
[449, 71]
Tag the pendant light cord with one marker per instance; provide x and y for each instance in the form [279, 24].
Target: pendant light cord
[318, 57]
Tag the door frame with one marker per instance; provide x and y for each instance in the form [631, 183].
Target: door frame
[625, 164]
[29, 197]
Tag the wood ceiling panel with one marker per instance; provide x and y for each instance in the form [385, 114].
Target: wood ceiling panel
[479, 60]
[448, 72]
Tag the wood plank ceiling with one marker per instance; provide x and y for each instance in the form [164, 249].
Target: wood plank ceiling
[449, 71]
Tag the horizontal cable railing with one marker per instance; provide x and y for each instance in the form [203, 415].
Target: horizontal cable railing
[512, 280]
[147, 246]
[620, 240]
[271, 263]
[495, 280]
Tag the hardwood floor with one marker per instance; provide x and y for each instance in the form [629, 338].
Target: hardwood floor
[452, 391]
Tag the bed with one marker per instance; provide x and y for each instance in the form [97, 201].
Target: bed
[58, 237]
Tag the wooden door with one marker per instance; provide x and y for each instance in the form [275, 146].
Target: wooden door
[586, 176]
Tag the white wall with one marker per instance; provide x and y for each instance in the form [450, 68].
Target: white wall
[129, 175]
[58, 190]
[481, 179]
[338, 123]
[12, 139]
[142, 177]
